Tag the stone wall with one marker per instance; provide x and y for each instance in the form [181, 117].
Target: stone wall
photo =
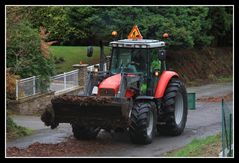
[30, 105]
[35, 105]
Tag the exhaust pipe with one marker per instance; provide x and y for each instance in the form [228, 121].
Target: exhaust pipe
[102, 56]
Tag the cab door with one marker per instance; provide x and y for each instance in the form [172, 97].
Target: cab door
[155, 68]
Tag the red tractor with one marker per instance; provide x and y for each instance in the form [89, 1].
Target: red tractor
[136, 94]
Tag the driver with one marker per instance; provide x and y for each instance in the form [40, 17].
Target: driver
[128, 63]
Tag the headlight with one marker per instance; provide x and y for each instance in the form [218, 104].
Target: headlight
[96, 69]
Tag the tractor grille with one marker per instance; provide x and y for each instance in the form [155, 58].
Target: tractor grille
[106, 92]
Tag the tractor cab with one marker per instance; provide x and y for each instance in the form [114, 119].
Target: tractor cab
[136, 56]
[140, 56]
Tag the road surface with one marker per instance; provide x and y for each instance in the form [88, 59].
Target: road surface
[205, 120]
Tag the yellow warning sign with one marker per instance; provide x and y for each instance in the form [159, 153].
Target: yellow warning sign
[135, 34]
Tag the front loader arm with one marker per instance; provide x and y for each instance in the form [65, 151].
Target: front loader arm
[126, 81]
[93, 79]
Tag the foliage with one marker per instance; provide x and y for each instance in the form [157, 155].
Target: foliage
[188, 26]
[208, 146]
[11, 85]
[44, 44]
[27, 52]
[221, 19]
[15, 131]
[53, 18]
[84, 21]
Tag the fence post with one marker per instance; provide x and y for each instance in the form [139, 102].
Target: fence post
[34, 85]
[222, 137]
[82, 73]
[77, 78]
[16, 89]
[230, 135]
[64, 80]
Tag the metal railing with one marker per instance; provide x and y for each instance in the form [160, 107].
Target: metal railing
[64, 81]
[226, 129]
[31, 86]
[91, 68]
[27, 87]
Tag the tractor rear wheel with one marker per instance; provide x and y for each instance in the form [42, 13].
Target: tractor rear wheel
[142, 123]
[84, 133]
[175, 108]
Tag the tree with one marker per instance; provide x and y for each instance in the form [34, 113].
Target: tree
[189, 27]
[24, 49]
[84, 21]
[221, 29]
[53, 18]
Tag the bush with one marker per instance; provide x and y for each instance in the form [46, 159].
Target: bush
[14, 131]
[58, 60]
[61, 59]
[26, 54]
[11, 85]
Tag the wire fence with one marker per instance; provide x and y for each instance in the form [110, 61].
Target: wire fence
[31, 86]
[227, 130]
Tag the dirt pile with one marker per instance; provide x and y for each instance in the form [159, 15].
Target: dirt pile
[228, 97]
[81, 100]
[71, 147]
[201, 65]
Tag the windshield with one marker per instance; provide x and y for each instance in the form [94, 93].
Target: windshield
[129, 60]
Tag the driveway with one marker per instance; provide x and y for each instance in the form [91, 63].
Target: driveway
[205, 120]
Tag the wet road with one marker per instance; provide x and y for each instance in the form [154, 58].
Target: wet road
[203, 121]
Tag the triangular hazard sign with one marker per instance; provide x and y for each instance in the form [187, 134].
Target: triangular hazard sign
[135, 34]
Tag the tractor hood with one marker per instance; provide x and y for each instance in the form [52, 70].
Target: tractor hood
[112, 82]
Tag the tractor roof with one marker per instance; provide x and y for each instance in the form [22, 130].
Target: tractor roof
[139, 43]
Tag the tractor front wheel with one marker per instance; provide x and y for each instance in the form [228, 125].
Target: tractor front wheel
[175, 108]
[84, 133]
[142, 123]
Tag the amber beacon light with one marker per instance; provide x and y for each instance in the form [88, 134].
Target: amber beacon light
[114, 33]
[165, 35]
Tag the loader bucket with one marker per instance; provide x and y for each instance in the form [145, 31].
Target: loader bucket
[109, 112]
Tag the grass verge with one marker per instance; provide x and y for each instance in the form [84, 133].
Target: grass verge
[219, 79]
[224, 79]
[75, 55]
[14, 131]
[207, 147]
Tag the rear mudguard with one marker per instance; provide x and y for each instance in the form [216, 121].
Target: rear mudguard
[163, 82]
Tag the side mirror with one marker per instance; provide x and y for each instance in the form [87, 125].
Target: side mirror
[162, 55]
[89, 51]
